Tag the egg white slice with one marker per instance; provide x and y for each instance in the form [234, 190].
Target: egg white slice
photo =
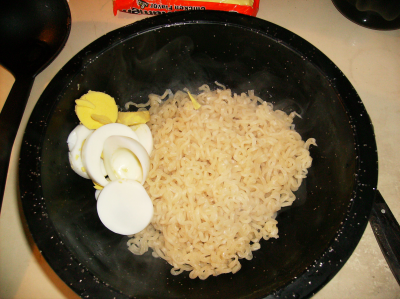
[124, 207]
[93, 147]
[97, 194]
[145, 137]
[75, 141]
[125, 158]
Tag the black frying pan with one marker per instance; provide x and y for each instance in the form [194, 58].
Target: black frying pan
[317, 234]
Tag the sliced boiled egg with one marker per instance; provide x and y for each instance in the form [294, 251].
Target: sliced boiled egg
[75, 142]
[96, 109]
[145, 137]
[124, 207]
[125, 158]
[133, 118]
[93, 148]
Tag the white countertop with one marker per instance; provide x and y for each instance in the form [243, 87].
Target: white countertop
[371, 61]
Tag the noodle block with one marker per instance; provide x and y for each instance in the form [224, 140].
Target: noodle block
[218, 177]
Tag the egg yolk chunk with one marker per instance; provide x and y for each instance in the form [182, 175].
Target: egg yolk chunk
[133, 118]
[96, 109]
[196, 105]
[97, 186]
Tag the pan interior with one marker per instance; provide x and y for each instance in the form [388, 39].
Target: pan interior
[190, 55]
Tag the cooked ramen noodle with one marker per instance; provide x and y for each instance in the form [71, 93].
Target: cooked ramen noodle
[218, 177]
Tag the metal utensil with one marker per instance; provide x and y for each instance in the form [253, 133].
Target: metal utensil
[387, 232]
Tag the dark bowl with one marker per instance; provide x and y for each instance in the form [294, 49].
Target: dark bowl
[317, 234]
[372, 14]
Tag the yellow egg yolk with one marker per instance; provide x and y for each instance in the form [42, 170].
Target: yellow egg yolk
[133, 118]
[96, 109]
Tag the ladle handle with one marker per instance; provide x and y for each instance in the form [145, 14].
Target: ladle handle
[387, 232]
[10, 119]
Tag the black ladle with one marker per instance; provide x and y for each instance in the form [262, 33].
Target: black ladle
[32, 34]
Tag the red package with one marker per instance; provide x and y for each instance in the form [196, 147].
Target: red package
[156, 7]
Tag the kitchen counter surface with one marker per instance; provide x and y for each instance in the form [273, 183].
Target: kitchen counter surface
[370, 59]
